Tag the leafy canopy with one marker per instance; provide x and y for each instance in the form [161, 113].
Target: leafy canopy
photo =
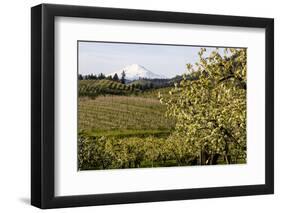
[210, 111]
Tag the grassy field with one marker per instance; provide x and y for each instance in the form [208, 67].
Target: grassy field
[154, 93]
[123, 131]
[122, 127]
[121, 113]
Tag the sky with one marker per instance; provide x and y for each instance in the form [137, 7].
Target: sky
[105, 57]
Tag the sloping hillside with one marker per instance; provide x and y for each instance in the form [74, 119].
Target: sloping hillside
[93, 88]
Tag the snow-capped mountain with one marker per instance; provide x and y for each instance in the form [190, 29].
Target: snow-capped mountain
[135, 72]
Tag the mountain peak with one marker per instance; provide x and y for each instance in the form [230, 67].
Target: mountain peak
[135, 65]
[135, 72]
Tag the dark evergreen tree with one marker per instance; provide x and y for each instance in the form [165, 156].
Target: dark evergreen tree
[90, 77]
[101, 76]
[80, 77]
[94, 77]
[123, 75]
[109, 77]
[115, 77]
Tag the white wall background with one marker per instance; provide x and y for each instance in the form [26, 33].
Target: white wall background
[15, 105]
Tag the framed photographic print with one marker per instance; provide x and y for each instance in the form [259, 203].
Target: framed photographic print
[139, 106]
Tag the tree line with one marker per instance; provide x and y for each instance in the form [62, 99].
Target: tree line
[102, 76]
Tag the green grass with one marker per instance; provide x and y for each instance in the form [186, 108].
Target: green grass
[128, 133]
[153, 93]
[107, 113]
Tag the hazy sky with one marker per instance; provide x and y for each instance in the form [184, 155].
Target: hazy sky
[100, 57]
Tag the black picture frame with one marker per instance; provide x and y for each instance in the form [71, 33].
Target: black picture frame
[43, 102]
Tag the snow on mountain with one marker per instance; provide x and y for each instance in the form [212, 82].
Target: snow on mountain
[135, 72]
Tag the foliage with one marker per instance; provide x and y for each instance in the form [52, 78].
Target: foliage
[94, 88]
[115, 77]
[154, 93]
[129, 152]
[123, 75]
[88, 77]
[210, 110]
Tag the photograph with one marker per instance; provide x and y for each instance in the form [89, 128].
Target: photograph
[134, 105]
[160, 105]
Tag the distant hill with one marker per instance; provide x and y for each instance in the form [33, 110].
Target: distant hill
[155, 83]
[150, 83]
[136, 72]
[93, 88]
